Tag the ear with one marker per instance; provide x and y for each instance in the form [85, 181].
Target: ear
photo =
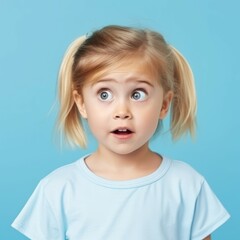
[78, 99]
[166, 104]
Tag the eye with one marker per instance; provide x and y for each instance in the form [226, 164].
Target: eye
[139, 95]
[105, 95]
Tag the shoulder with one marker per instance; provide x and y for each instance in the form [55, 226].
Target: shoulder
[185, 176]
[61, 178]
[184, 169]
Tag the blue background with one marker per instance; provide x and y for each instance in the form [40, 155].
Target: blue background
[34, 36]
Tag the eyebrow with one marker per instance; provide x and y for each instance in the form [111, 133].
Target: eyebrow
[129, 79]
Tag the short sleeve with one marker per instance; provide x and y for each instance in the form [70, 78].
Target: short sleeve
[37, 220]
[209, 213]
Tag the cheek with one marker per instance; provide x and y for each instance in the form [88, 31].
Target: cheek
[152, 110]
[95, 126]
[96, 117]
[150, 118]
[152, 121]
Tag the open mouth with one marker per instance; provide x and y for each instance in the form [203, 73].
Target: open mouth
[122, 131]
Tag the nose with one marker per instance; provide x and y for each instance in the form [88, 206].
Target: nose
[122, 112]
[122, 115]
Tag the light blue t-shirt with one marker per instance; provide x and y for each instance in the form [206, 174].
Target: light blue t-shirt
[172, 203]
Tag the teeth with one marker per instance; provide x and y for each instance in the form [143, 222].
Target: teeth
[122, 130]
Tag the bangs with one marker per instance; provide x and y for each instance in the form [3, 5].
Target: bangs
[93, 68]
[113, 47]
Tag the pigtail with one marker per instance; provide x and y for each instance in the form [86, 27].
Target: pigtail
[69, 123]
[184, 104]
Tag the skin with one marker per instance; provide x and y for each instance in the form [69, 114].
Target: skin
[207, 238]
[135, 101]
[130, 98]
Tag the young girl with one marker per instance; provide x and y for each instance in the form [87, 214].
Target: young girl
[123, 81]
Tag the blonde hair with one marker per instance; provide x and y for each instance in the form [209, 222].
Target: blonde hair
[87, 58]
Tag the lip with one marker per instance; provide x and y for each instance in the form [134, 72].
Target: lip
[122, 133]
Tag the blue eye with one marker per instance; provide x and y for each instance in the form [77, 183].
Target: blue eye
[139, 95]
[105, 95]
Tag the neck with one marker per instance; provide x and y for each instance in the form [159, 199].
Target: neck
[123, 166]
[123, 161]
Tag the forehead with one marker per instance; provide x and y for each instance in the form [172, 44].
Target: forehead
[128, 69]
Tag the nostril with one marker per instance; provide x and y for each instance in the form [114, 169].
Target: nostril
[122, 116]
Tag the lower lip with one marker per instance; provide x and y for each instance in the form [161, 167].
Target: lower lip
[123, 136]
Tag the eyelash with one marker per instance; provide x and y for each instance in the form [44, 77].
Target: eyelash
[106, 98]
[104, 90]
[137, 91]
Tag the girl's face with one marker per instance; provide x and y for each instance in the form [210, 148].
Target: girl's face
[123, 108]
